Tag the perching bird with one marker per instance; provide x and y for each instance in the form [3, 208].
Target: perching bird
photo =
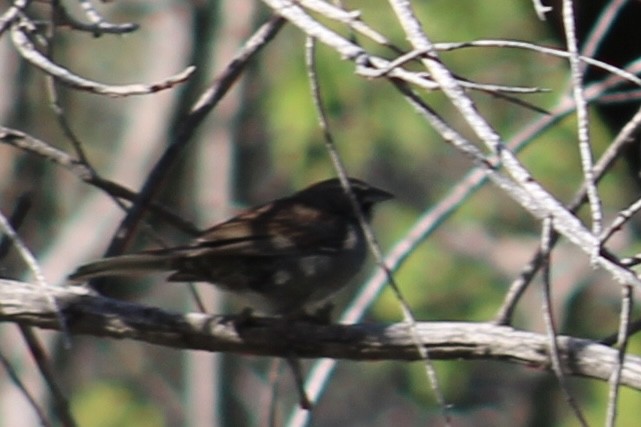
[283, 256]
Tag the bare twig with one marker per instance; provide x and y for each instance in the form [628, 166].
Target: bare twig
[28, 51]
[627, 301]
[47, 152]
[582, 123]
[622, 75]
[52, 92]
[22, 206]
[408, 315]
[622, 140]
[529, 193]
[621, 218]
[548, 318]
[13, 375]
[36, 350]
[180, 140]
[98, 25]
[33, 266]
[11, 14]
[541, 9]
[602, 26]
[441, 211]
[60, 402]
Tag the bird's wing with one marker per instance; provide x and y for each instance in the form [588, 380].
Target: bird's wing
[275, 229]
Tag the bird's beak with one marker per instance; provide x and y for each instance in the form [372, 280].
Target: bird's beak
[376, 195]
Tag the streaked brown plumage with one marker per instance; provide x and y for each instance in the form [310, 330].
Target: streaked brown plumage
[282, 256]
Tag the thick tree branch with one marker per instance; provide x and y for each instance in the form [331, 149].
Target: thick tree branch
[88, 313]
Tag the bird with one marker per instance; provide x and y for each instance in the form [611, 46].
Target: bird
[283, 257]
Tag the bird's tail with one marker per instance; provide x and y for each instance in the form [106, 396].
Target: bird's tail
[123, 265]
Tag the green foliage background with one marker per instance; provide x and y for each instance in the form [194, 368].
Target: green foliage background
[383, 140]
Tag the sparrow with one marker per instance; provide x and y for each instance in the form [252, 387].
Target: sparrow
[283, 257]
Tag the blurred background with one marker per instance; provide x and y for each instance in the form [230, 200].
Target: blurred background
[263, 141]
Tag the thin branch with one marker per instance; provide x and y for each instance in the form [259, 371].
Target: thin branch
[19, 214]
[183, 135]
[627, 301]
[60, 402]
[37, 351]
[585, 148]
[429, 222]
[548, 319]
[525, 191]
[33, 266]
[633, 328]
[519, 285]
[620, 220]
[517, 288]
[48, 152]
[98, 25]
[424, 226]
[374, 66]
[602, 25]
[11, 14]
[530, 194]
[622, 75]
[374, 246]
[54, 99]
[541, 9]
[15, 378]
[29, 52]
[384, 67]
